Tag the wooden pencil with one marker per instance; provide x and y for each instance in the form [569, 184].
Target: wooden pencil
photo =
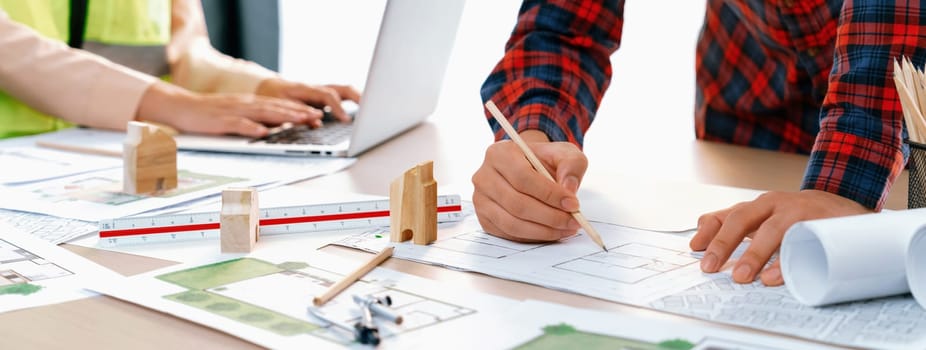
[348, 280]
[911, 89]
[79, 149]
[535, 162]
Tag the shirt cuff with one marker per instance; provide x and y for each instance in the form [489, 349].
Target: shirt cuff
[536, 109]
[853, 167]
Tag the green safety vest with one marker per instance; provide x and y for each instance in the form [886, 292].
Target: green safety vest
[130, 32]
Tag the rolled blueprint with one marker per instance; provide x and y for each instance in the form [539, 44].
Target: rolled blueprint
[916, 266]
[851, 258]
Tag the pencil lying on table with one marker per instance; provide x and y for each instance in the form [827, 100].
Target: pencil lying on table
[348, 280]
[535, 162]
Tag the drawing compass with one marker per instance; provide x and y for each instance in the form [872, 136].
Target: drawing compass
[365, 330]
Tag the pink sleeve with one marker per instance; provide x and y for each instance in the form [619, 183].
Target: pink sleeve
[70, 84]
[197, 66]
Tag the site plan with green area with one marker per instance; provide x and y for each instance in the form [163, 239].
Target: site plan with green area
[264, 298]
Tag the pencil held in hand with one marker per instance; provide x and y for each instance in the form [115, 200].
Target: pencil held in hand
[535, 162]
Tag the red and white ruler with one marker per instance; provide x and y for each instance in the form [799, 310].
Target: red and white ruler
[273, 221]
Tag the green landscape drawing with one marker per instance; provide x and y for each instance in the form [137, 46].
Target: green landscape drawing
[20, 289]
[564, 336]
[198, 279]
[221, 273]
[221, 289]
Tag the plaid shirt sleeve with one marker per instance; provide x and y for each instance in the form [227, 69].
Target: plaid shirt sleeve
[858, 152]
[556, 67]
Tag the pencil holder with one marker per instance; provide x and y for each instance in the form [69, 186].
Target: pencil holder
[916, 193]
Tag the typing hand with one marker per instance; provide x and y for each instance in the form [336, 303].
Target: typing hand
[765, 220]
[243, 114]
[515, 202]
[319, 96]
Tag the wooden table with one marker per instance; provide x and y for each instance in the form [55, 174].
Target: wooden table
[623, 142]
[106, 322]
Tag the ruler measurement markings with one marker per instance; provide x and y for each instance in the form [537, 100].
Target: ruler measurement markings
[280, 220]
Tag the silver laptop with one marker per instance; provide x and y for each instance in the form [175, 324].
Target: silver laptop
[402, 88]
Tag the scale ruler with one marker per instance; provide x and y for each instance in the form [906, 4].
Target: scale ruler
[273, 221]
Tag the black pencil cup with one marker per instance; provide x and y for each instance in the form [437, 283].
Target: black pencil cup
[916, 193]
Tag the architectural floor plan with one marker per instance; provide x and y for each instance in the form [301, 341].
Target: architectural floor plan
[660, 271]
[20, 267]
[238, 289]
[266, 298]
[34, 272]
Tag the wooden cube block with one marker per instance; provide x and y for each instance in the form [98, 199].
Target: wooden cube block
[239, 224]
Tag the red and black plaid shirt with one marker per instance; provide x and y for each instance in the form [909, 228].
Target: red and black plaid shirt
[807, 76]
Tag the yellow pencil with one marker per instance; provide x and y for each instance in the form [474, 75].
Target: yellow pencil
[535, 162]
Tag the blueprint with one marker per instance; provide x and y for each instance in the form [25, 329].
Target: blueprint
[916, 266]
[638, 267]
[263, 298]
[98, 195]
[35, 273]
[36, 164]
[46, 227]
[885, 323]
[843, 249]
[84, 187]
[659, 271]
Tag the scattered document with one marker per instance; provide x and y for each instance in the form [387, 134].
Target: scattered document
[639, 266]
[264, 298]
[98, 195]
[79, 186]
[283, 170]
[851, 258]
[659, 271]
[35, 273]
[33, 164]
[536, 325]
[49, 228]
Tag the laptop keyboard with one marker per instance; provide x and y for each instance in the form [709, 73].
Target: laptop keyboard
[329, 134]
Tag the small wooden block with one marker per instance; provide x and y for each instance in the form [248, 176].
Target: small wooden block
[150, 159]
[239, 220]
[413, 205]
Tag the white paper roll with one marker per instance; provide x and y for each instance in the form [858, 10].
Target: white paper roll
[850, 258]
[916, 266]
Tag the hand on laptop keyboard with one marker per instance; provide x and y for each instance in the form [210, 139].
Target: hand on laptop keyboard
[332, 131]
[328, 134]
[318, 96]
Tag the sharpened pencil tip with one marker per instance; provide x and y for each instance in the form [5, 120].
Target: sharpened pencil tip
[605, 249]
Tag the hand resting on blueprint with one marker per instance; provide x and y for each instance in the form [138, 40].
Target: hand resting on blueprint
[765, 220]
[515, 202]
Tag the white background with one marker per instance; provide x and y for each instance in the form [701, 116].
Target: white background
[651, 98]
